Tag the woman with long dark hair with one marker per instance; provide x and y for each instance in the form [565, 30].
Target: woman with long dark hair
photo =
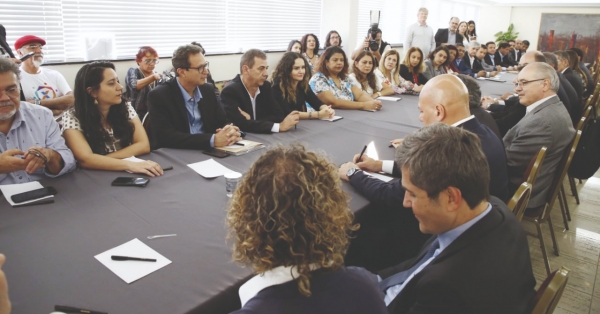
[310, 50]
[333, 39]
[294, 46]
[364, 77]
[412, 68]
[101, 129]
[437, 62]
[292, 92]
[471, 31]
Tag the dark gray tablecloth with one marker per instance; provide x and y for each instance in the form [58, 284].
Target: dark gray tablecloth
[51, 247]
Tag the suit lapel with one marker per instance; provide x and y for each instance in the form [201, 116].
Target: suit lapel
[179, 103]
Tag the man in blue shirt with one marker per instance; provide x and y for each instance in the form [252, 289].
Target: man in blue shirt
[31, 146]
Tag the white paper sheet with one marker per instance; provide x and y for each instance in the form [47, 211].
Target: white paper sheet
[11, 189]
[209, 168]
[131, 271]
[388, 98]
[134, 159]
[335, 118]
[379, 176]
[246, 143]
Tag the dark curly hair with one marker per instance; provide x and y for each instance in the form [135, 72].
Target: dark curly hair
[289, 210]
[365, 79]
[438, 49]
[282, 74]
[88, 114]
[304, 42]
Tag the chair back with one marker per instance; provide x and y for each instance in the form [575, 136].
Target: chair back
[585, 117]
[146, 125]
[534, 167]
[549, 293]
[518, 203]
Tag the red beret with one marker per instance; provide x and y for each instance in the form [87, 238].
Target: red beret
[28, 39]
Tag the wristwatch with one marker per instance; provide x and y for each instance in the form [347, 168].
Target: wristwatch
[37, 101]
[351, 172]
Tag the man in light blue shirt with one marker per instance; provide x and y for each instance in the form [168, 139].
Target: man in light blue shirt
[31, 145]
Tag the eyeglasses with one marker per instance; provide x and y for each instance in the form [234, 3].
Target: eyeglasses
[34, 47]
[523, 83]
[11, 92]
[335, 37]
[151, 61]
[200, 68]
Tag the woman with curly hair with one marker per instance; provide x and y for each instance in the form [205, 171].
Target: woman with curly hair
[292, 92]
[101, 129]
[310, 49]
[290, 220]
[364, 77]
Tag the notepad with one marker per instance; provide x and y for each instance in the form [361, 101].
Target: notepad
[11, 189]
[209, 168]
[389, 98]
[237, 150]
[379, 176]
[131, 271]
[335, 118]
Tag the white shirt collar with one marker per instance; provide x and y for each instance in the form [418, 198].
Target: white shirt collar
[457, 123]
[252, 99]
[563, 71]
[537, 103]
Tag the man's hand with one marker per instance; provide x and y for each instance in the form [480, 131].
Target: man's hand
[9, 163]
[486, 101]
[37, 157]
[498, 68]
[397, 142]
[507, 96]
[481, 73]
[227, 136]
[289, 121]
[372, 105]
[366, 42]
[344, 169]
[17, 61]
[4, 301]
[30, 100]
[367, 163]
[493, 73]
[247, 116]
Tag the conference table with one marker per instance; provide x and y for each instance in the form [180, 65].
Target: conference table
[50, 248]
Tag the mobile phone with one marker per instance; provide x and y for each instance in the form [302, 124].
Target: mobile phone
[130, 181]
[167, 168]
[34, 194]
[27, 56]
[216, 153]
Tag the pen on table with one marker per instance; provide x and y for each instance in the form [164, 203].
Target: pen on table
[391, 145]
[129, 258]
[70, 309]
[361, 153]
[239, 144]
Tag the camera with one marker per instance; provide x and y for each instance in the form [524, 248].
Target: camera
[373, 44]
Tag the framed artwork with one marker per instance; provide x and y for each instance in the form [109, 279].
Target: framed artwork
[563, 31]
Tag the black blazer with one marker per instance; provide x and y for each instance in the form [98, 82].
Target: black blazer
[486, 119]
[573, 103]
[169, 122]
[441, 36]
[487, 269]
[575, 81]
[488, 60]
[268, 111]
[302, 98]
[407, 75]
[504, 61]
[476, 66]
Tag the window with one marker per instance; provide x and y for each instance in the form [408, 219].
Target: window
[79, 30]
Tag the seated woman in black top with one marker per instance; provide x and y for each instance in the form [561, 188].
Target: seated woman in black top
[291, 90]
[290, 221]
[412, 68]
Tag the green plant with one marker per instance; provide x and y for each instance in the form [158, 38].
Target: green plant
[506, 36]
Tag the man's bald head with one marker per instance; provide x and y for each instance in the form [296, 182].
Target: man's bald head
[444, 98]
[531, 57]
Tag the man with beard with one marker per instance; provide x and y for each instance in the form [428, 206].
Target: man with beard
[42, 86]
[31, 146]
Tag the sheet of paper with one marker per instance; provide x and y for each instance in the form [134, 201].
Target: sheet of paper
[369, 110]
[209, 168]
[388, 98]
[133, 158]
[131, 271]
[335, 118]
[380, 176]
[11, 189]
[245, 142]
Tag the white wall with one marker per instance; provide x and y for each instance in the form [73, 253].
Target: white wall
[492, 20]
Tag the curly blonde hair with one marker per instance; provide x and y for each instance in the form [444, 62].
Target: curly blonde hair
[290, 210]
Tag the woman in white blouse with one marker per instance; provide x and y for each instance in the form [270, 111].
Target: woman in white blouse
[363, 76]
[389, 71]
[102, 129]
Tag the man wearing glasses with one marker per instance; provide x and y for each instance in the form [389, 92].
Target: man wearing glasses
[184, 112]
[546, 123]
[42, 86]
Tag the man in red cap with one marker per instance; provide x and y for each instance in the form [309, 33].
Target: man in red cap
[42, 86]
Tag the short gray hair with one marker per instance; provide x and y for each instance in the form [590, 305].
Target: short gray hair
[7, 65]
[551, 59]
[562, 55]
[454, 17]
[424, 10]
[248, 58]
[474, 44]
[546, 72]
[440, 156]
[474, 90]
[181, 56]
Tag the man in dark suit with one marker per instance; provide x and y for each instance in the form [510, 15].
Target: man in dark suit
[570, 75]
[450, 35]
[250, 103]
[473, 62]
[501, 57]
[490, 56]
[462, 66]
[478, 259]
[566, 92]
[481, 114]
[546, 123]
[589, 79]
[184, 112]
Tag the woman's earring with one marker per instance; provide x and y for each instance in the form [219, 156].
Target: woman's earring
[95, 101]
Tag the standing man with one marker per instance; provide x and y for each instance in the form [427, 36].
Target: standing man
[420, 34]
[450, 35]
[42, 86]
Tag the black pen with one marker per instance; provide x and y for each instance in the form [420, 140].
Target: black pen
[361, 153]
[70, 309]
[239, 144]
[128, 258]
[391, 145]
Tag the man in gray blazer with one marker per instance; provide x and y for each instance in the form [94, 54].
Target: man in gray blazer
[546, 123]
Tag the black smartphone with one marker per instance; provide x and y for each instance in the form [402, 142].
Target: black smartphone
[27, 56]
[34, 194]
[130, 181]
[216, 153]
[167, 168]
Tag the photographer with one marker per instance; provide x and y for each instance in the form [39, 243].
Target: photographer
[372, 43]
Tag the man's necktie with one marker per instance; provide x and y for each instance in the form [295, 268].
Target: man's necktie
[400, 277]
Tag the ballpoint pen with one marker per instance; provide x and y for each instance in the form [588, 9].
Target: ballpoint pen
[129, 258]
[70, 309]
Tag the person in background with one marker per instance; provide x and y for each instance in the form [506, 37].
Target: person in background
[412, 68]
[490, 70]
[450, 35]
[310, 50]
[389, 71]
[471, 31]
[475, 108]
[333, 39]
[436, 63]
[589, 81]
[363, 76]
[382, 46]
[209, 78]
[102, 129]
[460, 64]
[5, 305]
[292, 91]
[295, 237]
[462, 30]
[420, 34]
[6, 52]
[141, 80]
[294, 46]
[334, 87]
[574, 65]
[453, 52]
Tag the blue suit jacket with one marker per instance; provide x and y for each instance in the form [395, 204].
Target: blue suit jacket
[463, 67]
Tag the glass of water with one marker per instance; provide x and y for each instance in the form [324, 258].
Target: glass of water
[231, 181]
